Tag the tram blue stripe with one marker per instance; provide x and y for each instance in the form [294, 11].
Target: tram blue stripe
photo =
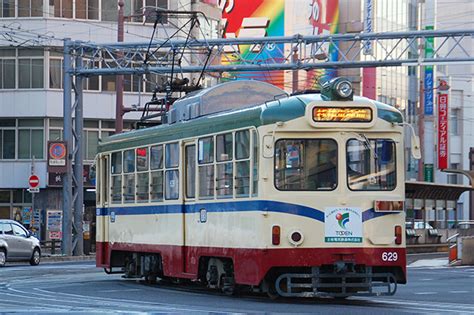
[233, 206]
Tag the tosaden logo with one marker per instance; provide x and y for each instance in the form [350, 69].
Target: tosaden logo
[342, 219]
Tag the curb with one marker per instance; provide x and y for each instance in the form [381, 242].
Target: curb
[61, 258]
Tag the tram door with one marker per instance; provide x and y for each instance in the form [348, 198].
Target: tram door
[189, 194]
[102, 221]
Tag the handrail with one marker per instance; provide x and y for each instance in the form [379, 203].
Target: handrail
[452, 237]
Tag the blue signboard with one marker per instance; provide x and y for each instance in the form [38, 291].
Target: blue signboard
[428, 95]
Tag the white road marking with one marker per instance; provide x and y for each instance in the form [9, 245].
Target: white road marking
[460, 291]
[126, 290]
[425, 293]
[426, 279]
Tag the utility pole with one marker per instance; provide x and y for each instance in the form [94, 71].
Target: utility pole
[66, 243]
[119, 77]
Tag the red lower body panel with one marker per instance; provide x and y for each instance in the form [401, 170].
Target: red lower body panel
[251, 265]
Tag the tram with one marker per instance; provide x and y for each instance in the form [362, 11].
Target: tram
[244, 186]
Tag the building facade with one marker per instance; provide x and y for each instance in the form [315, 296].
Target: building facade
[31, 96]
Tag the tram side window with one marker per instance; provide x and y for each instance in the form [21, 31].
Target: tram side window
[225, 172]
[143, 180]
[255, 163]
[129, 176]
[206, 167]
[306, 164]
[156, 174]
[117, 163]
[172, 175]
[116, 188]
[242, 164]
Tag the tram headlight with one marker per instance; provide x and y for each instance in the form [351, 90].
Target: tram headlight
[337, 89]
[296, 238]
[344, 88]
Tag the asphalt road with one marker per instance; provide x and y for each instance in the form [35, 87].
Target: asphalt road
[79, 287]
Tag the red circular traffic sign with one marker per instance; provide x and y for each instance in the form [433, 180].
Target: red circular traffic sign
[33, 181]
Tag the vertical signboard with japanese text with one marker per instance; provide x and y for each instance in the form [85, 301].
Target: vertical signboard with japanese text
[442, 131]
[429, 76]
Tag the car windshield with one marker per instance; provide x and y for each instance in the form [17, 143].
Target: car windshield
[371, 164]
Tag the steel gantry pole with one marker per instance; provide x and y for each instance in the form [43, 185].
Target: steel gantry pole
[66, 244]
[78, 242]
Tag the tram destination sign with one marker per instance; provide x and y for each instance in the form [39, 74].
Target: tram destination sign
[342, 114]
[57, 157]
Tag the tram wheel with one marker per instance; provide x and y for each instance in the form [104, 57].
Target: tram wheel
[150, 279]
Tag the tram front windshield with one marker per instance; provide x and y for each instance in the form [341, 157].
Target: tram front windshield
[371, 164]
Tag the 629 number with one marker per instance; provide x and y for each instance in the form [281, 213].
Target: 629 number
[389, 256]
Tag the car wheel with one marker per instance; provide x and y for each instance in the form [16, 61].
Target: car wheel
[35, 258]
[3, 257]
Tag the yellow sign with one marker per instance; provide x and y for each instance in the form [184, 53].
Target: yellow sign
[342, 114]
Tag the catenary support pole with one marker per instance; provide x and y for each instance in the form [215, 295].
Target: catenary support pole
[67, 177]
[119, 78]
[78, 165]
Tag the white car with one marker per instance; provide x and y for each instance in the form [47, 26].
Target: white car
[17, 244]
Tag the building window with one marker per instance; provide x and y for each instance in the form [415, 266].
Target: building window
[27, 8]
[109, 10]
[452, 177]
[87, 9]
[7, 9]
[30, 68]
[90, 143]
[61, 8]
[454, 115]
[7, 68]
[56, 73]
[7, 138]
[30, 138]
[145, 10]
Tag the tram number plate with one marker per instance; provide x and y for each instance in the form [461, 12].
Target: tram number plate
[389, 256]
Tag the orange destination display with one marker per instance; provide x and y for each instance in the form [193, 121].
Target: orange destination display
[342, 114]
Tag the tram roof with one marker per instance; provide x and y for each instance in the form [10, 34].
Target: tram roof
[284, 109]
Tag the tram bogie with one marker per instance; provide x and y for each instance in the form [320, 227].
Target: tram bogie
[300, 196]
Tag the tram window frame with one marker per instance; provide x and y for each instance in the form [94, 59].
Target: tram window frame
[157, 173]
[394, 158]
[224, 171]
[224, 147]
[302, 162]
[116, 157]
[128, 180]
[172, 156]
[255, 162]
[239, 145]
[116, 162]
[142, 161]
[154, 163]
[206, 168]
[116, 189]
[242, 164]
[143, 176]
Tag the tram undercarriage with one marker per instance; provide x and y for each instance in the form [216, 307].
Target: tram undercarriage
[339, 280]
